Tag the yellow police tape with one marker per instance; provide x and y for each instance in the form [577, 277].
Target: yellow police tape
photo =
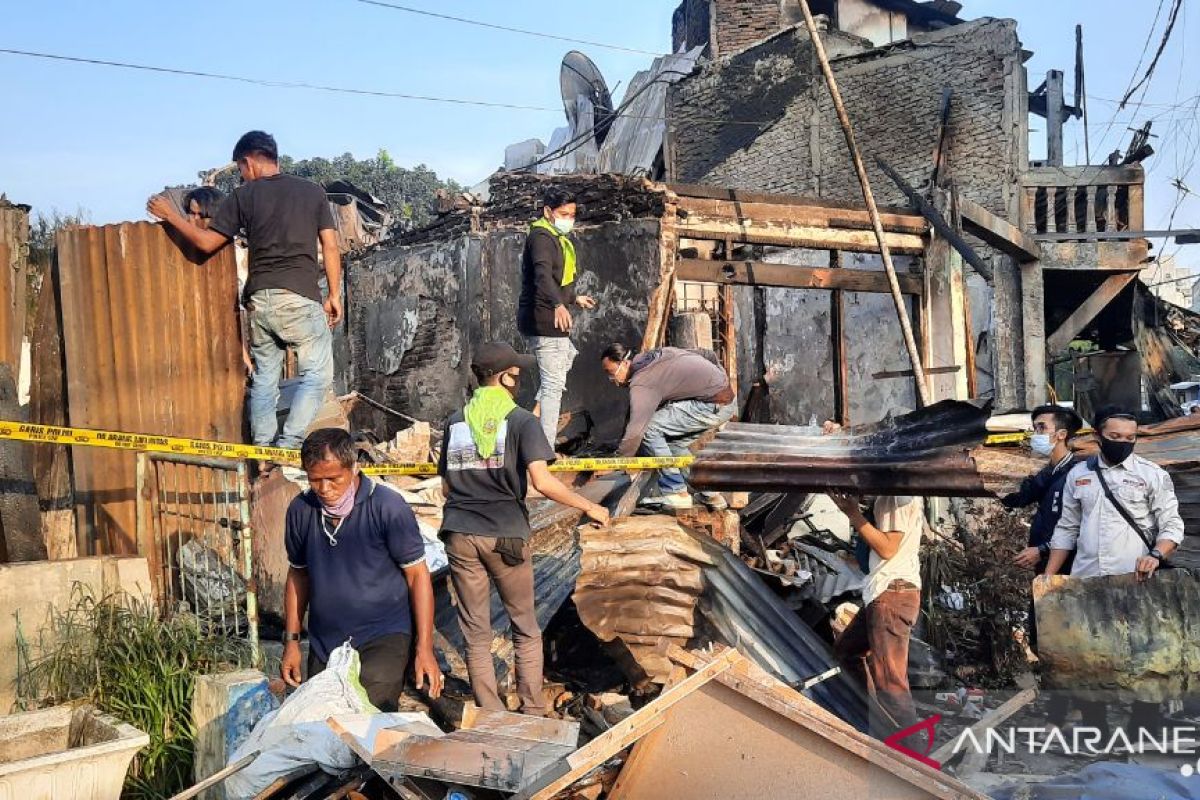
[116, 440]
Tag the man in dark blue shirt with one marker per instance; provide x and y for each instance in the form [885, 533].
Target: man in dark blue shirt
[356, 563]
[1053, 428]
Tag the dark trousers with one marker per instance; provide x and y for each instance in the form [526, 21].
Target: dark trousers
[383, 664]
[879, 636]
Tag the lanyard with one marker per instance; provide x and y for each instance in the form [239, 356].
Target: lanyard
[331, 535]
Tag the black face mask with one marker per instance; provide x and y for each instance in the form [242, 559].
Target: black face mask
[512, 384]
[1116, 452]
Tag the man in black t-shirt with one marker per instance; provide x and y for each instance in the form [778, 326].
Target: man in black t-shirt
[490, 450]
[283, 217]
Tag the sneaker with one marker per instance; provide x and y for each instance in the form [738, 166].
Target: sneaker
[714, 500]
[678, 501]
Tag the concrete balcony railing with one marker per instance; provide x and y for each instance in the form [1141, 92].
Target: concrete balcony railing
[1070, 209]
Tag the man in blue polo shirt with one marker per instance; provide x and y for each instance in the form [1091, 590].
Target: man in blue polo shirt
[356, 563]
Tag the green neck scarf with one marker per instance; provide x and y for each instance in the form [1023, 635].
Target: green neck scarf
[486, 410]
[568, 249]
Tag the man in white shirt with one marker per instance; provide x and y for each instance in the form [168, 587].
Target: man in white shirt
[1137, 535]
[1106, 543]
[880, 632]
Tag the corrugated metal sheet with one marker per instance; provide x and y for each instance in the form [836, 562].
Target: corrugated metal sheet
[14, 267]
[935, 451]
[151, 346]
[636, 137]
[753, 618]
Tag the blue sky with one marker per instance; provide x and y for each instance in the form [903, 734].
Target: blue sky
[102, 139]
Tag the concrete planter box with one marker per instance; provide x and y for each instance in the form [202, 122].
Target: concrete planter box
[65, 752]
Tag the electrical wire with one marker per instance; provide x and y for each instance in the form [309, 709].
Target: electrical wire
[1162, 45]
[272, 84]
[506, 28]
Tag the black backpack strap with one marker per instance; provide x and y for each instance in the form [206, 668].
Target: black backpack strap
[1094, 465]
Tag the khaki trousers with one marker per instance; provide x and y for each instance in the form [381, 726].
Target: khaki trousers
[474, 567]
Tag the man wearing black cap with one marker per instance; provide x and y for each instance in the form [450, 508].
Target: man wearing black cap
[491, 450]
[1053, 428]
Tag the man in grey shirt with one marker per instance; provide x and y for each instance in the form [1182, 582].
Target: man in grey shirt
[675, 397]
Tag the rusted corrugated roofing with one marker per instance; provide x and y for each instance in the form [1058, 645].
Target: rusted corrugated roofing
[936, 451]
[14, 238]
[152, 346]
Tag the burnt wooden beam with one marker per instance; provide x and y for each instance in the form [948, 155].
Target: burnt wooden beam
[998, 232]
[1191, 234]
[687, 192]
[939, 148]
[760, 273]
[908, 373]
[937, 221]
[1087, 311]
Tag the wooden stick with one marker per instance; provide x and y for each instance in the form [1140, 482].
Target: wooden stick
[910, 342]
[990, 720]
[217, 777]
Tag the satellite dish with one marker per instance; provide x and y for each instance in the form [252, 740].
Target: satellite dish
[579, 77]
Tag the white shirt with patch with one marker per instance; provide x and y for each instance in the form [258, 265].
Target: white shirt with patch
[1103, 541]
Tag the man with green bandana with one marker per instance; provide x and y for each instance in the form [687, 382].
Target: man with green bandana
[548, 274]
[491, 451]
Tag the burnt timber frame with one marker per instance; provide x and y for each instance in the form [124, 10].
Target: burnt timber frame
[732, 217]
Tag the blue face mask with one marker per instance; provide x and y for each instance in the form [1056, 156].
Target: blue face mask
[1040, 443]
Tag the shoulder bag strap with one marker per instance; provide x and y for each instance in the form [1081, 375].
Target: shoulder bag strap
[1094, 463]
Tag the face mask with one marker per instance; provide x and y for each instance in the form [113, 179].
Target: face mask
[511, 384]
[1116, 452]
[564, 224]
[1041, 444]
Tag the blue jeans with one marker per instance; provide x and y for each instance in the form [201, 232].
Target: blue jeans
[280, 319]
[554, 354]
[674, 428]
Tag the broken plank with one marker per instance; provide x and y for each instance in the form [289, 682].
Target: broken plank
[990, 720]
[789, 235]
[760, 273]
[939, 223]
[998, 232]
[521, 726]
[686, 192]
[819, 216]
[449, 759]
[624, 733]
[1088, 310]
[908, 373]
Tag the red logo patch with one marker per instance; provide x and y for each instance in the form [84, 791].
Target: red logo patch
[1083, 481]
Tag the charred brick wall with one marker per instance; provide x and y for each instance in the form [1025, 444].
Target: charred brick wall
[789, 139]
[418, 311]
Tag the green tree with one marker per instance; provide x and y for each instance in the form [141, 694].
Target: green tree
[409, 193]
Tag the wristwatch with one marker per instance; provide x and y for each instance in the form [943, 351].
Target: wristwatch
[1156, 553]
[290, 637]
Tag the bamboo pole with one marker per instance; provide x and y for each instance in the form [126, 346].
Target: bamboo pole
[910, 342]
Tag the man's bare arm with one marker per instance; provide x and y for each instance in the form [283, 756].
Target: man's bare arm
[426, 673]
[295, 604]
[206, 241]
[333, 275]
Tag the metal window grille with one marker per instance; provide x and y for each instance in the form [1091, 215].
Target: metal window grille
[193, 520]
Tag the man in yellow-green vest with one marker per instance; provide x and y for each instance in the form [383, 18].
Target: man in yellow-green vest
[548, 273]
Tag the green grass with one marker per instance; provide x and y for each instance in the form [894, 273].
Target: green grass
[119, 654]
